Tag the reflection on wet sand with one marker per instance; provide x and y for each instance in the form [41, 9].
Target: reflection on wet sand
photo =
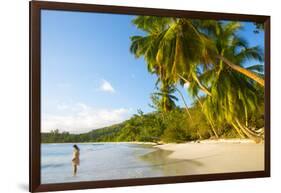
[159, 161]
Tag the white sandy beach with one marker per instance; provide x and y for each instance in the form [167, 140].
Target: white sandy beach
[219, 156]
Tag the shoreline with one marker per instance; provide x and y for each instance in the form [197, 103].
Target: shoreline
[121, 142]
[226, 140]
[201, 157]
[159, 144]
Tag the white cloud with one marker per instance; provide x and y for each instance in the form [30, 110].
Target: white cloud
[106, 87]
[79, 118]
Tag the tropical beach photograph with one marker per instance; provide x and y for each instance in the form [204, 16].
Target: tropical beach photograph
[136, 96]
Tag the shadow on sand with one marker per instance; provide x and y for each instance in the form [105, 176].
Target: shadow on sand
[159, 160]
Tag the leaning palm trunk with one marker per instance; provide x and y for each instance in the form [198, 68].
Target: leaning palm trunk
[209, 120]
[244, 71]
[213, 127]
[248, 130]
[186, 107]
[203, 88]
[240, 133]
[250, 134]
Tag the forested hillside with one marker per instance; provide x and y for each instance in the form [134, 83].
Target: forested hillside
[172, 126]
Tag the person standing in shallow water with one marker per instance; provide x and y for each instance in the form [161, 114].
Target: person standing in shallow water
[75, 159]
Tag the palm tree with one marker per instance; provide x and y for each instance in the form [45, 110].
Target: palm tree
[206, 54]
[171, 47]
[230, 49]
[234, 95]
[165, 100]
[174, 47]
[162, 46]
[220, 77]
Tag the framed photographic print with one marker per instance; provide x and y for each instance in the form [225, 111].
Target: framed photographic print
[123, 96]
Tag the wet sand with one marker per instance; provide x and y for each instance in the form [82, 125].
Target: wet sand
[209, 156]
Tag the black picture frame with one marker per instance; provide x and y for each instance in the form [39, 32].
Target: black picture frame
[35, 79]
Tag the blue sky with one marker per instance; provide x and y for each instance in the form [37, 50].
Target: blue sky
[89, 77]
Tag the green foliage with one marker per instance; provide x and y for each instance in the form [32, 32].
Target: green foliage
[177, 127]
[163, 99]
[173, 126]
[98, 135]
[141, 127]
[191, 51]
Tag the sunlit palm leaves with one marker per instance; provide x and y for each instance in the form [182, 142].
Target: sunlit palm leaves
[209, 56]
[234, 95]
[172, 49]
